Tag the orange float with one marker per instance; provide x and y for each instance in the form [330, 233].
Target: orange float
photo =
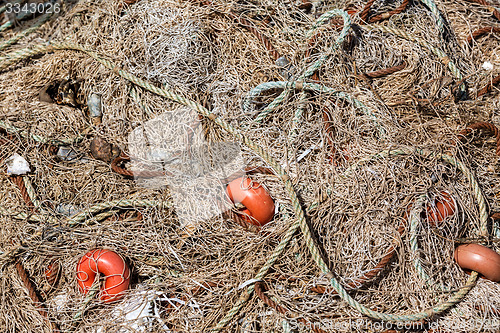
[479, 258]
[111, 265]
[259, 206]
[443, 207]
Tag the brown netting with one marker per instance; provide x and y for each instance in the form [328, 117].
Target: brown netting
[187, 278]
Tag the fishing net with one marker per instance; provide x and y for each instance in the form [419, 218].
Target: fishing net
[135, 115]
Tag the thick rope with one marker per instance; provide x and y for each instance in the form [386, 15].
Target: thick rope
[489, 86]
[310, 70]
[385, 71]
[481, 32]
[488, 127]
[493, 10]
[385, 16]
[436, 13]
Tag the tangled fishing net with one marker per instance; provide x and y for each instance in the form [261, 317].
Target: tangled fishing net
[135, 115]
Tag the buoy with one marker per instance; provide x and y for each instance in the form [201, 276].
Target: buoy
[479, 258]
[111, 265]
[443, 207]
[259, 206]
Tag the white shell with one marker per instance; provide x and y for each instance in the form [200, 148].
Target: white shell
[17, 165]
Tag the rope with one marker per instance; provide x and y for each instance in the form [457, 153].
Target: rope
[19, 55]
[94, 290]
[80, 218]
[489, 86]
[18, 180]
[361, 280]
[488, 127]
[385, 16]
[326, 17]
[288, 86]
[115, 165]
[481, 32]
[301, 221]
[414, 223]
[34, 296]
[493, 10]
[436, 13]
[386, 71]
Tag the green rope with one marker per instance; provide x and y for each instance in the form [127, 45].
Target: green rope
[80, 218]
[326, 17]
[134, 93]
[455, 297]
[4, 7]
[313, 87]
[22, 14]
[437, 51]
[28, 217]
[301, 221]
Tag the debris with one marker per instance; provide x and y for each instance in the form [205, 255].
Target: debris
[17, 165]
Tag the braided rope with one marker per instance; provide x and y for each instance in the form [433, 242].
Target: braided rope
[481, 32]
[489, 86]
[361, 280]
[458, 295]
[437, 51]
[310, 70]
[385, 16]
[115, 204]
[493, 10]
[25, 134]
[34, 296]
[94, 290]
[366, 11]
[287, 86]
[386, 71]
[436, 13]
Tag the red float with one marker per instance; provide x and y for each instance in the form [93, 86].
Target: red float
[443, 207]
[259, 206]
[111, 265]
[479, 258]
